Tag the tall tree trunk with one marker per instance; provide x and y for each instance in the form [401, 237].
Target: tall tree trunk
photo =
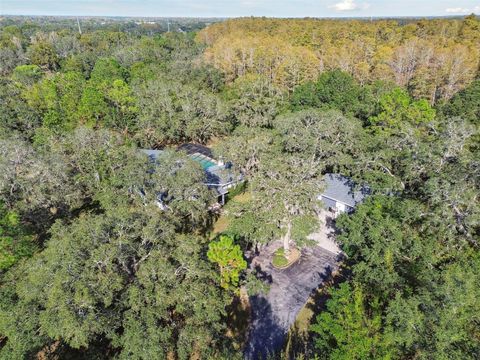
[286, 239]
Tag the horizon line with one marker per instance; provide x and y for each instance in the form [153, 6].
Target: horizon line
[242, 16]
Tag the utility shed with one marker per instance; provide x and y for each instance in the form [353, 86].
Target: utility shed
[341, 193]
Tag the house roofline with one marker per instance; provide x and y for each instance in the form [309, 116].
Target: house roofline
[344, 203]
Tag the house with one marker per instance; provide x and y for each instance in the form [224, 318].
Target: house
[341, 194]
[218, 175]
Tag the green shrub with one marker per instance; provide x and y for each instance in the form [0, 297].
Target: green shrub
[279, 259]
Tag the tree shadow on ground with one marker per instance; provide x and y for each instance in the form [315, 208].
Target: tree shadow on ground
[300, 340]
[262, 275]
[266, 335]
[238, 320]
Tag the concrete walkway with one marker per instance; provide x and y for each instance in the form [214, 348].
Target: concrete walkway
[273, 314]
[325, 236]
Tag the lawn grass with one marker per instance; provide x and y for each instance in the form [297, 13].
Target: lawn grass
[223, 222]
[280, 261]
[243, 197]
[220, 225]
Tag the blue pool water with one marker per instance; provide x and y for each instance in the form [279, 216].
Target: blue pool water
[203, 160]
[206, 164]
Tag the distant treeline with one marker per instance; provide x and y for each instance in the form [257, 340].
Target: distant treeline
[133, 25]
[433, 59]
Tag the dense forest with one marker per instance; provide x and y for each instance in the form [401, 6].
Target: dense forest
[91, 270]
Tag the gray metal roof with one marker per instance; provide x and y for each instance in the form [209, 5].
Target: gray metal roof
[152, 154]
[190, 149]
[343, 189]
[218, 175]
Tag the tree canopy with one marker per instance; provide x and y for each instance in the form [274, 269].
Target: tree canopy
[106, 253]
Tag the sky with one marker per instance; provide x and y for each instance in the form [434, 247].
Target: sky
[236, 8]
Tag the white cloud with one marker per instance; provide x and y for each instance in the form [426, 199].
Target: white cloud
[458, 10]
[349, 5]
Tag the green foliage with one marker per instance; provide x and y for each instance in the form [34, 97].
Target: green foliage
[124, 104]
[107, 99]
[305, 96]
[465, 104]
[248, 225]
[334, 90]
[128, 268]
[245, 146]
[170, 112]
[337, 90]
[396, 110]
[439, 321]
[44, 55]
[280, 202]
[405, 266]
[207, 77]
[15, 243]
[93, 107]
[254, 102]
[279, 259]
[237, 190]
[106, 70]
[33, 182]
[121, 268]
[57, 100]
[18, 322]
[16, 116]
[333, 139]
[229, 258]
[105, 167]
[255, 285]
[455, 326]
[349, 329]
[377, 235]
[27, 74]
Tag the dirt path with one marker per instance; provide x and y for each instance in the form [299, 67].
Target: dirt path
[273, 314]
